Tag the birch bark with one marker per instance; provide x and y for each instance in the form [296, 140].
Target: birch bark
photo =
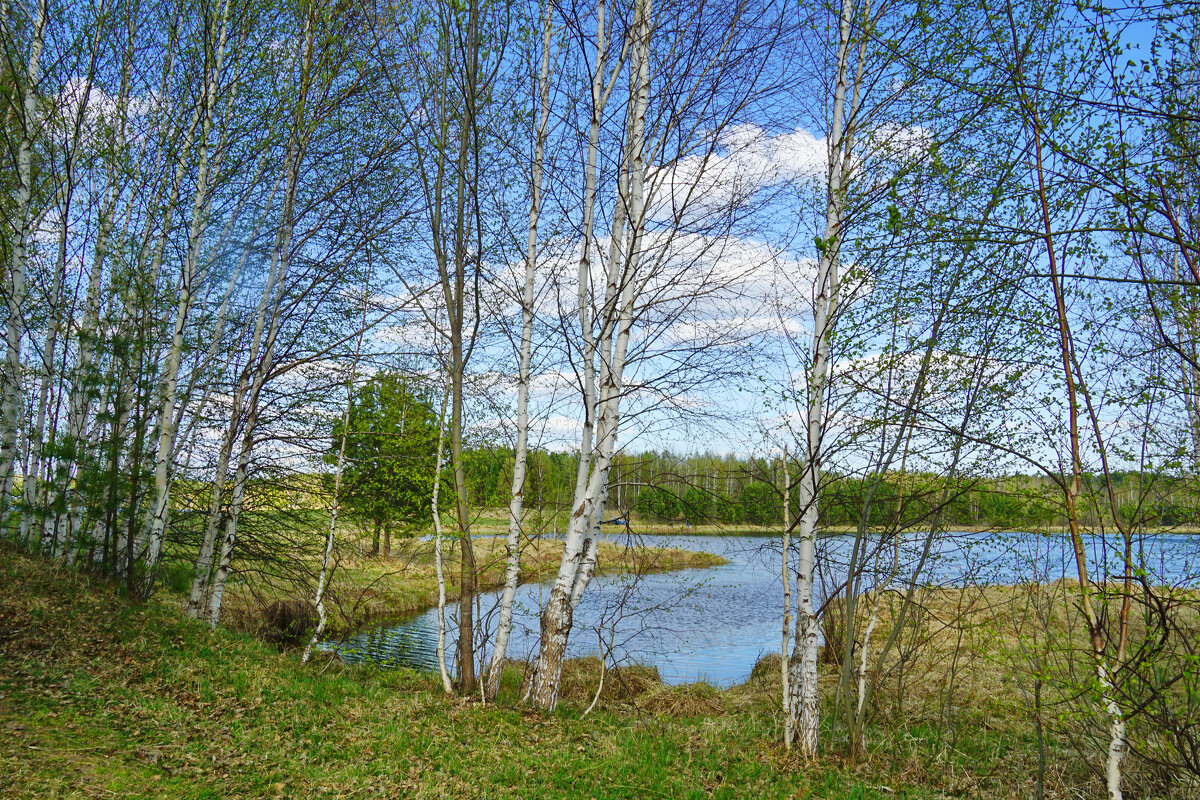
[786, 576]
[803, 706]
[512, 543]
[579, 549]
[17, 266]
[447, 685]
[270, 305]
[198, 596]
[337, 488]
[35, 486]
[167, 399]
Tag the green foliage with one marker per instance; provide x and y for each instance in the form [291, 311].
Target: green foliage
[657, 503]
[697, 505]
[727, 511]
[391, 453]
[549, 479]
[489, 476]
[761, 504]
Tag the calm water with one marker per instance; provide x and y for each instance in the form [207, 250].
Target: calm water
[714, 624]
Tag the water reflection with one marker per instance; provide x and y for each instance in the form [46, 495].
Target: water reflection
[713, 624]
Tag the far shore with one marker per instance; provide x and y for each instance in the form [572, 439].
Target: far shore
[643, 528]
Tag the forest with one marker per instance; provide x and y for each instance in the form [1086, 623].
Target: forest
[613, 398]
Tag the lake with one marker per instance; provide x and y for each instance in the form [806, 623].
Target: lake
[714, 624]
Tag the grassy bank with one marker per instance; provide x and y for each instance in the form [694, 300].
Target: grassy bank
[364, 588]
[100, 697]
[104, 698]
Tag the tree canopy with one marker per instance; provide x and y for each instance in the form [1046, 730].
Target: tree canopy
[391, 451]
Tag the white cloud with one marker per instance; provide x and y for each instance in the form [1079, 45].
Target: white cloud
[100, 108]
[746, 160]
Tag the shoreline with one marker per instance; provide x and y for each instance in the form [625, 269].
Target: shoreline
[365, 590]
[671, 529]
[103, 695]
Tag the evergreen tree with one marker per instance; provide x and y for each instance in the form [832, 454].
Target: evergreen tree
[391, 450]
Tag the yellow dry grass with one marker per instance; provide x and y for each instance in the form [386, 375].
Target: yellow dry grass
[364, 587]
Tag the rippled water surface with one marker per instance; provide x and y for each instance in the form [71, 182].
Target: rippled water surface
[713, 624]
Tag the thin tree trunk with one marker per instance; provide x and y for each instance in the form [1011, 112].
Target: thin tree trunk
[603, 672]
[556, 615]
[34, 487]
[512, 544]
[17, 266]
[276, 284]
[323, 578]
[170, 381]
[447, 685]
[803, 704]
[199, 595]
[786, 575]
[1073, 488]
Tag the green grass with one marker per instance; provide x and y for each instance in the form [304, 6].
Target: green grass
[102, 697]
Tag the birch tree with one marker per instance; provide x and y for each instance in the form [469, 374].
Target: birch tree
[640, 271]
[20, 112]
[802, 707]
[461, 51]
[512, 544]
[300, 274]
[447, 684]
[886, 125]
[579, 547]
[190, 274]
[330, 536]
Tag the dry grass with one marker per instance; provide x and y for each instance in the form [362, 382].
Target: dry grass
[363, 588]
[100, 697]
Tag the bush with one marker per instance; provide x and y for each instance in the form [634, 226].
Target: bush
[697, 505]
[761, 504]
[658, 503]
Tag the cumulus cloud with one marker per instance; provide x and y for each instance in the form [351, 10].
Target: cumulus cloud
[98, 108]
[744, 160]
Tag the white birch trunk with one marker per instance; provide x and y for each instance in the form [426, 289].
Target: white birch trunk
[17, 266]
[35, 488]
[202, 576]
[803, 705]
[79, 402]
[337, 488]
[579, 549]
[241, 473]
[76, 134]
[170, 381]
[786, 575]
[69, 518]
[1117, 743]
[280, 259]
[447, 684]
[555, 622]
[512, 544]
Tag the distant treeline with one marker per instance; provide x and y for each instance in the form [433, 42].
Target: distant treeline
[733, 490]
[393, 489]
